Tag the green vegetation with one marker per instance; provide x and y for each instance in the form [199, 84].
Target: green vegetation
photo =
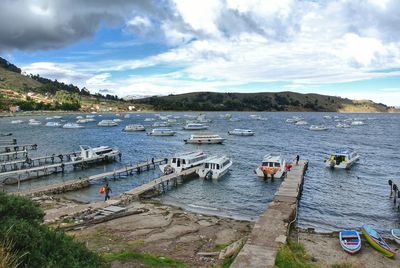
[293, 255]
[344, 265]
[35, 244]
[148, 260]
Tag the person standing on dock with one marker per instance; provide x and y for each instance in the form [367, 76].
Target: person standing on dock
[107, 191]
[297, 159]
[391, 188]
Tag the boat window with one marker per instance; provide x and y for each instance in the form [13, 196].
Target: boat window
[173, 160]
[271, 164]
[207, 165]
[184, 161]
[264, 164]
[277, 164]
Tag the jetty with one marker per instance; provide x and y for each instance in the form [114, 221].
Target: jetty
[13, 155]
[17, 147]
[272, 228]
[8, 142]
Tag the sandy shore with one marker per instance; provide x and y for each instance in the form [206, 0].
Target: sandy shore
[325, 250]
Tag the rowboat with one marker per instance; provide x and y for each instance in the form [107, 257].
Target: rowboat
[377, 241]
[396, 235]
[350, 241]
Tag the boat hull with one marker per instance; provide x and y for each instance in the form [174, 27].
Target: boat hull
[381, 246]
[277, 175]
[213, 141]
[396, 234]
[350, 241]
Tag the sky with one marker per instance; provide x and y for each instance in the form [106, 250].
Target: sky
[347, 48]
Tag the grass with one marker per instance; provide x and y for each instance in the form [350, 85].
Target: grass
[147, 259]
[220, 247]
[293, 255]
[344, 265]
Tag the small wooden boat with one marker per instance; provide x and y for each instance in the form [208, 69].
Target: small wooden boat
[396, 235]
[350, 241]
[377, 241]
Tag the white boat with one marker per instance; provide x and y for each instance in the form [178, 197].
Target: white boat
[195, 126]
[17, 121]
[161, 132]
[117, 120]
[205, 139]
[396, 235]
[201, 118]
[72, 125]
[107, 123]
[357, 123]
[183, 161]
[84, 120]
[149, 119]
[294, 119]
[272, 165]
[241, 132]
[34, 122]
[161, 124]
[89, 116]
[57, 117]
[127, 116]
[214, 167]
[171, 121]
[227, 116]
[318, 128]
[258, 117]
[342, 125]
[89, 154]
[301, 123]
[49, 118]
[134, 127]
[79, 117]
[342, 158]
[53, 124]
[327, 117]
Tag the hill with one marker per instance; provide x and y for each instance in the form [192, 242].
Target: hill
[281, 101]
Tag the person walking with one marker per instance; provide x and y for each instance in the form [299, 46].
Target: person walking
[297, 159]
[107, 190]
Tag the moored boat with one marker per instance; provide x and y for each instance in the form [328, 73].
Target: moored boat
[318, 128]
[350, 241]
[396, 235]
[374, 238]
[53, 124]
[205, 139]
[161, 132]
[241, 132]
[134, 127]
[357, 123]
[214, 167]
[272, 165]
[342, 125]
[34, 122]
[72, 126]
[342, 158]
[89, 154]
[107, 123]
[17, 121]
[183, 161]
[195, 126]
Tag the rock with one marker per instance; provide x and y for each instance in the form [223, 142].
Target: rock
[231, 250]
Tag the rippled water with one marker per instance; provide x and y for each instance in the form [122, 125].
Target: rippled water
[331, 199]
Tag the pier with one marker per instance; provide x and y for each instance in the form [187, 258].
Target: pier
[17, 147]
[13, 155]
[8, 142]
[272, 228]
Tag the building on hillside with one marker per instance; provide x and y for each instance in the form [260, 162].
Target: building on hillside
[15, 109]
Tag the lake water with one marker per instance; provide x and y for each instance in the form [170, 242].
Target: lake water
[332, 199]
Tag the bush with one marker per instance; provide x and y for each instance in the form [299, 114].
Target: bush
[36, 243]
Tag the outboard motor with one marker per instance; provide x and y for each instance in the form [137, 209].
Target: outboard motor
[209, 175]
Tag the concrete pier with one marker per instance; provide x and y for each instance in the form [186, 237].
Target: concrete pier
[271, 229]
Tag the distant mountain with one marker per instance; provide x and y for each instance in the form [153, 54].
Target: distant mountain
[267, 101]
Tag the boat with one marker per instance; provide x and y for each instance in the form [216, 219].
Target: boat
[34, 122]
[53, 124]
[227, 116]
[183, 161]
[161, 124]
[342, 158]
[272, 165]
[89, 116]
[195, 126]
[161, 132]
[258, 117]
[127, 116]
[107, 123]
[57, 117]
[49, 118]
[201, 118]
[134, 127]
[79, 117]
[301, 123]
[350, 241]
[327, 117]
[318, 128]
[205, 139]
[214, 167]
[342, 125]
[149, 119]
[357, 123]
[84, 120]
[117, 120]
[72, 125]
[89, 154]
[374, 238]
[241, 132]
[396, 234]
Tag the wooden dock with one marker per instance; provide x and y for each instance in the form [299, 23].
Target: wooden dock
[8, 142]
[13, 155]
[272, 228]
[17, 147]
[85, 182]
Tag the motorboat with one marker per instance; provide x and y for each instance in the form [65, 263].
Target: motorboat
[327, 117]
[34, 122]
[195, 126]
[357, 123]
[89, 154]
[201, 118]
[72, 125]
[90, 116]
[342, 125]
[79, 117]
[241, 132]
[127, 116]
[161, 132]
[161, 124]
[272, 166]
[183, 161]
[107, 123]
[350, 241]
[342, 158]
[171, 121]
[149, 119]
[84, 120]
[53, 124]
[301, 123]
[49, 118]
[134, 127]
[375, 239]
[57, 117]
[17, 121]
[318, 128]
[258, 117]
[227, 116]
[396, 235]
[117, 120]
[214, 167]
[205, 139]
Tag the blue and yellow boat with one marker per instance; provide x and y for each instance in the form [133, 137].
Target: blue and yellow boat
[377, 241]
